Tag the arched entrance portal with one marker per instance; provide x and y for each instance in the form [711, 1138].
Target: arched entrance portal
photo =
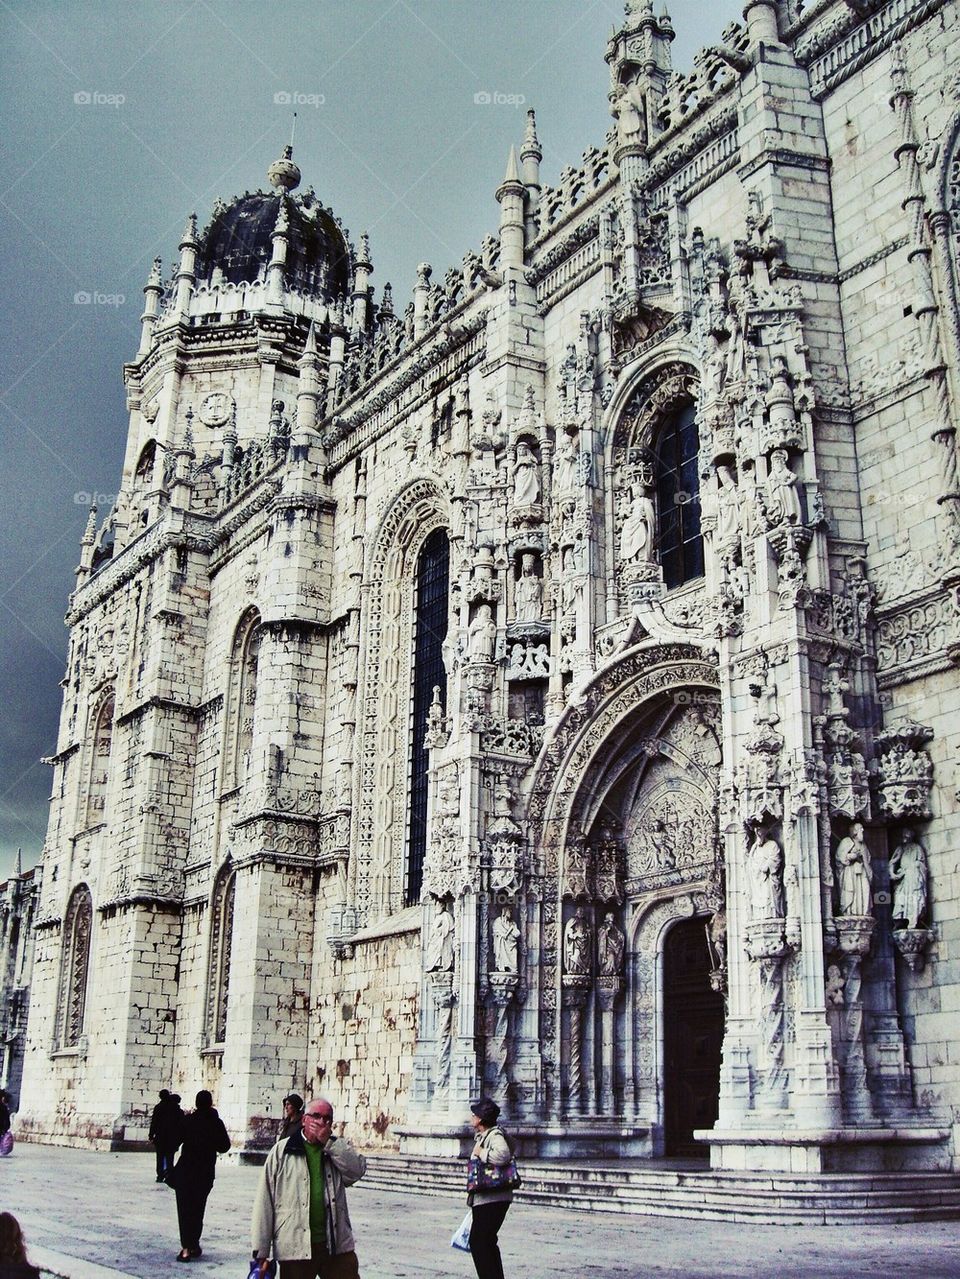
[692, 1037]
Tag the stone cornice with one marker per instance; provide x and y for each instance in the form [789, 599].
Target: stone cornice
[843, 44]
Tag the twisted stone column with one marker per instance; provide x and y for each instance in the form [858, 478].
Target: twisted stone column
[575, 991]
[503, 987]
[767, 947]
[853, 938]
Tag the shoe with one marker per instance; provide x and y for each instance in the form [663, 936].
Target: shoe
[161, 1179]
[183, 1255]
[196, 1252]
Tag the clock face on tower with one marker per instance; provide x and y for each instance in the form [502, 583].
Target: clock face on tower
[216, 408]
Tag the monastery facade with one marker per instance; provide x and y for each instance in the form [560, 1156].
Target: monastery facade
[546, 686]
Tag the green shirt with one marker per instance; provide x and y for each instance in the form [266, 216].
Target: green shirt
[318, 1201]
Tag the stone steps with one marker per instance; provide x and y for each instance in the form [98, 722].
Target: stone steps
[685, 1191]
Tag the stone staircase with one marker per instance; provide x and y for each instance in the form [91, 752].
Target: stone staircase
[688, 1188]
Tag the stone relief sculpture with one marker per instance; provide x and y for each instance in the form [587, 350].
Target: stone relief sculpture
[627, 108]
[728, 507]
[783, 500]
[526, 476]
[528, 592]
[577, 937]
[854, 874]
[506, 943]
[482, 635]
[636, 539]
[908, 874]
[610, 946]
[439, 953]
[566, 466]
[766, 884]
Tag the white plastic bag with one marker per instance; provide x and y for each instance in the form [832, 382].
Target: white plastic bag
[461, 1236]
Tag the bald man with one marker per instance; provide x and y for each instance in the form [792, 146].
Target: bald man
[300, 1211]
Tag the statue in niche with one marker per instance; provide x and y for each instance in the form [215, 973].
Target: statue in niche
[576, 944]
[506, 943]
[783, 500]
[766, 883]
[854, 873]
[833, 986]
[908, 874]
[636, 539]
[526, 476]
[482, 635]
[528, 592]
[439, 956]
[627, 108]
[566, 467]
[728, 507]
[610, 945]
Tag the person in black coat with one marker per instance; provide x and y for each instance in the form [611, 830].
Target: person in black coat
[13, 1252]
[165, 1130]
[202, 1138]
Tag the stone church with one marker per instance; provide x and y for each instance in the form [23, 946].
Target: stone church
[545, 685]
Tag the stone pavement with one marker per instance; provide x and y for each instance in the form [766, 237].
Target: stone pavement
[102, 1216]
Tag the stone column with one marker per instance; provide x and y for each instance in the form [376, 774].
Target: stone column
[608, 989]
[444, 998]
[503, 988]
[853, 941]
[767, 947]
[575, 991]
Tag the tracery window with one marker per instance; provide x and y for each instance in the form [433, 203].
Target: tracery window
[98, 776]
[431, 607]
[679, 541]
[221, 944]
[242, 699]
[74, 968]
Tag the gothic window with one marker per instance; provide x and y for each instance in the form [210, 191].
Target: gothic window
[221, 942]
[99, 773]
[431, 606]
[242, 699]
[74, 967]
[679, 543]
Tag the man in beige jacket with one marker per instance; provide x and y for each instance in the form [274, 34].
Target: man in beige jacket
[300, 1211]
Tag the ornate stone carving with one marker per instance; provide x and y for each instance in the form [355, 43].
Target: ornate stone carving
[853, 873]
[505, 939]
[905, 770]
[439, 951]
[908, 874]
[577, 944]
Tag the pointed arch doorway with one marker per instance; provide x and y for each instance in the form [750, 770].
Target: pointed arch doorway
[693, 1020]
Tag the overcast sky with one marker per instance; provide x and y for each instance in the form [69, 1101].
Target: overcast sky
[120, 117]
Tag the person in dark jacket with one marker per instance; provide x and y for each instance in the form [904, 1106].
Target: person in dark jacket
[292, 1116]
[13, 1252]
[202, 1138]
[165, 1130]
[493, 1146]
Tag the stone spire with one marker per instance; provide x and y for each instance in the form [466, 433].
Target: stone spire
[361, 286]
[152, 293]
[510, 197]
[276, 271]
[530, 157]
[186, 276]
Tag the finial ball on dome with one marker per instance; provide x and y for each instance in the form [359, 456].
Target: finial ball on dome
[283, 173]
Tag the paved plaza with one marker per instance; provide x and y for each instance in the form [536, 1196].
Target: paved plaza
[102, 1216]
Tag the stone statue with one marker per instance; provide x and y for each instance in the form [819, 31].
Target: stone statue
[482, 635]
[854, 873]
[526, 476]
[783, 500]
[728, 507]
[908, 874]
[610, 944]
[636, 539]
[439, 954]
[528, 592]
[628, 109]
[565, 467]
[766, 883]
[506, 943]
[576, 944]
[833, 986]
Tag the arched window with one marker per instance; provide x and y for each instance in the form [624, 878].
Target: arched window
[431, 608]
[679, 543]
[221, 943]
[99, 774]
[74, 967]
[242, 699]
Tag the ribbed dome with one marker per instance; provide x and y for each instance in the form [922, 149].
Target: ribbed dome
[238, 242]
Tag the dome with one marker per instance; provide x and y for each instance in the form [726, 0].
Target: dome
[237, 241]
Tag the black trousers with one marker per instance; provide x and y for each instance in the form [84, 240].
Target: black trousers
[487, 1220]
[164, 1161]
[191, 1202]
